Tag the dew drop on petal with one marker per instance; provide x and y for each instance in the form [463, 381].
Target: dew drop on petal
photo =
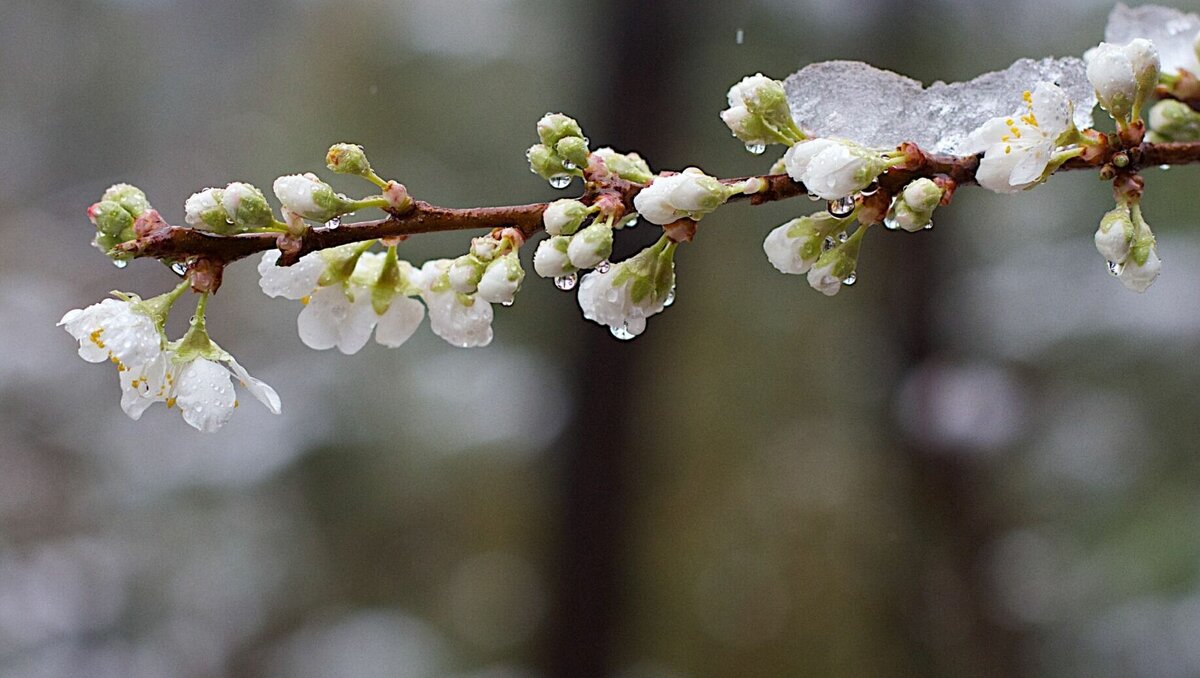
[179, 268]
[1115, 268]
[813, 196]
[756, 149]
[851, 279]
[622, 333]
[670, 297]
[1164, 167]
[603, 266]
[333, 223]
[560, 181]
[929, 226]
[890, 223]
[120, 263]
[566, 282]
[827, 245]
[568, 164]
[507, 302]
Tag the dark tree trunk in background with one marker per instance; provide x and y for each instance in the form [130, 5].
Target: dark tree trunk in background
[599, 455]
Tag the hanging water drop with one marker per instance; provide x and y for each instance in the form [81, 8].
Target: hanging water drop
[631, 221]
[929, 226]
[756, 148]
[120, 263]
[890, 223]
[842, 237]
[850, 279]
[827, 245]
[1115, 268]
[842, 207]
[813, 196]
[603, 266]
[622, 332]
[179, 268]
[560, 181]
[566, 283]
[871, 189]
[333, 223]
[507, 302]
[670, 297]
[568, 165]
[1164, 167]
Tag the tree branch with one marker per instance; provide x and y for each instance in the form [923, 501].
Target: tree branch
[180, 243]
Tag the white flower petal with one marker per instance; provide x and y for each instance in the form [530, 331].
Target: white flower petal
[256, 387]
[290, 282]
[399, 322]
[204, 394]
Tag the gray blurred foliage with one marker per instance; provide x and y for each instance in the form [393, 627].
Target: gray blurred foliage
[981, 456]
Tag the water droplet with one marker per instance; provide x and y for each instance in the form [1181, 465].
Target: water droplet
[622, 332]
[1115, 268]
[603, 266]
[890, 223]
[560, 181]
[120, 263]
[851, 279]
[1164, 167]
[179, 268]
[842, 207]
[569, 165]
[333, 223]
[756, 148]
[629, 221]
[507, 302]
[827, 245]
[871, 189]
[566, 282]
[670, 297]
[842, 237]
[813, 196]
[929, 226]
[741, 36]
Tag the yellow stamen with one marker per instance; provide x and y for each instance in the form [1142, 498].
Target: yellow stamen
[305, 299]
[170, 403]
[95, 337]
[1007, 150]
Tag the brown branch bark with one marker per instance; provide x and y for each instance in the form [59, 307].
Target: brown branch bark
[180, 243]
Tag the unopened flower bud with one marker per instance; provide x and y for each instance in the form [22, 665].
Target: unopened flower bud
[309, 197]
[573, 150]
[551, 259]
[246, 206]
[836, 265]
[397, 196]
[628, 166]
[129, 197]
[1142, 267]
[348, 159]
[544, 162]
[1114, 237]
[591, 246]
[502, 279]
[564, 217]
[795, 246]
[204, 211]
[464, 274]
[553, 127]
[1175, 121]
[110, 218]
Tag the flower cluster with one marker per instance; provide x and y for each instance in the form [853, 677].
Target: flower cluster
[1126, 242]
[192, 373]
[114, 217]
[624, 295]
[237, 208]
[562, 151]
[759, 114]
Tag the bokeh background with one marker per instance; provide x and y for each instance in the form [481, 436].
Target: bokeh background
[979, 461]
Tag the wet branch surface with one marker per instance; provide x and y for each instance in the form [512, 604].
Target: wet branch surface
[176, 243]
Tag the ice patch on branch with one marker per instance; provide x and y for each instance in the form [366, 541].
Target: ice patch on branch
[1172, 32]
[882, 109]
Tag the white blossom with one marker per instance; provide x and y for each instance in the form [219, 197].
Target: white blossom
[591, 245]
[563, 217]
[290, 282]
[794, 246]
[1122, 74]
[332, 318]
[1019, 148]
[501, 280]
[307, 196]
[690, 193]
[114, 330]
[1139, 276]
[833, 168]
[464, 274]
[462, 320]
[550, 260]
[401, 319]
[1115, 235]
[631, 291]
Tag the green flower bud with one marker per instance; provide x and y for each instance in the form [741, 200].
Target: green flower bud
[573, 150]
[129, 197]
[628, 166]
[348, 159]
[1175, 121]
[246, 206]
[553, 127]
[564, 217]
[544, 162]
[110, 218]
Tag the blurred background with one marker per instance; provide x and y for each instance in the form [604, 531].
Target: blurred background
[979, 461]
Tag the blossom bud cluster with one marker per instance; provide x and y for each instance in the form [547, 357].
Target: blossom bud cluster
[912, 210]
[572, 246]
[759, 114]
[817, 245]
[237, 208]
[1125, 240]
[833, 168]
[114, 216]
[624, 295]
[1124, 76]
[691, 194]
[562, 151]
